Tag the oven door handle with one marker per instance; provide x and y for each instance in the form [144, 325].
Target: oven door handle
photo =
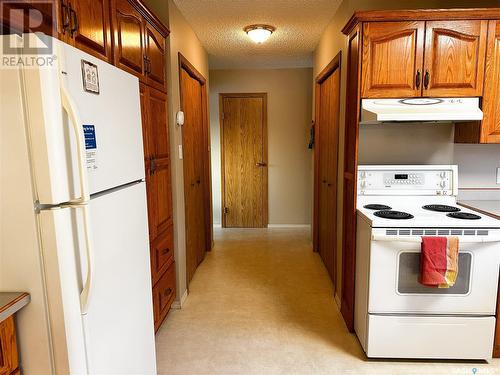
[472, 239]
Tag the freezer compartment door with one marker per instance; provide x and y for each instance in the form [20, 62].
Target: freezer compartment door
[60, 234]
[34, 104]
[110, 114]
[433, 337]
[119, 319]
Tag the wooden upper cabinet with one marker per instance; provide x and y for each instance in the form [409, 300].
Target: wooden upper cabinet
[454, 58]
[89, 27]
[490, 129]
[392, 59]
[128, 28]
[155, 56]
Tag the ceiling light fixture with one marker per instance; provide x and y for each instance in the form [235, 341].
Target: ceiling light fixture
[259, 33]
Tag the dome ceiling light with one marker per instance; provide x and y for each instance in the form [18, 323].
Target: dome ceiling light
[259, 33]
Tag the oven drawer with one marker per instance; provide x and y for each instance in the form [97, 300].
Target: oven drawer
[394, 288]
[431, 337]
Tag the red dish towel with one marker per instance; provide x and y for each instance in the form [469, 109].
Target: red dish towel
[439, 261]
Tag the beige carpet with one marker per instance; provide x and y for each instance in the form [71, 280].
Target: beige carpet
[261, 303]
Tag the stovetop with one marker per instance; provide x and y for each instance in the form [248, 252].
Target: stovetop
[410, 212]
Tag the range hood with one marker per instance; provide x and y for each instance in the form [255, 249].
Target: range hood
[375, 111]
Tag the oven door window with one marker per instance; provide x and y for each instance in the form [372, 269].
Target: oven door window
[409, 270]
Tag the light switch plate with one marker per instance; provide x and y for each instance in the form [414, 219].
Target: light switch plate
[498, 175]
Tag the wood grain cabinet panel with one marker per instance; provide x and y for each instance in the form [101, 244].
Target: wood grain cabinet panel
[454, 58]
[155, 56]
[392, 59]
[164, 295]
[128, 29]
[89, 27]
[9, 360]
[162, 254]
[490, 129]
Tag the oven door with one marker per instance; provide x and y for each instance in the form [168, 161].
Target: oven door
[395, 267]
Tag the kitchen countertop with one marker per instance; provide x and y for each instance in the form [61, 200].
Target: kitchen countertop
[12, 302]
[488, 207]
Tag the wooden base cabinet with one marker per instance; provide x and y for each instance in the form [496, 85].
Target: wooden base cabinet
[9, 360]
[164, 295]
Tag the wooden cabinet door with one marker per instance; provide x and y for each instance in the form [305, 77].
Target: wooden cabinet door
[9, 361]
[392, 59]
[454, 58]
[155, 55]
[128, 31]
[90, 27]
[157, 160]
[159, 171]
[490, 129]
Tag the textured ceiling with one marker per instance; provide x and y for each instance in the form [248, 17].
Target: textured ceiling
[219, 25]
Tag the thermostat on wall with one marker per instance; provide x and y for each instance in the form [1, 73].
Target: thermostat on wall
[179, 118]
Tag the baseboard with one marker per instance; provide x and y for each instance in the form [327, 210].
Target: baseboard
[217, 225]
[178, 304]
[289, 225]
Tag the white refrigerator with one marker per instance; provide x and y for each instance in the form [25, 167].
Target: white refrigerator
[73, 212]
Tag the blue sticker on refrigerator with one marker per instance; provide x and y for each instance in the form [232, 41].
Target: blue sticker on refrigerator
[90, 147]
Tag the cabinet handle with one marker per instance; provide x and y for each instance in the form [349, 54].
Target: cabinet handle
[65, 17]
[427, 79]
[74, 20]
[418, 79]
[260, 164]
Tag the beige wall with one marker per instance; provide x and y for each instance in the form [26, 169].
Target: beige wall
[182, 39]
[289, 95]
[331, 43]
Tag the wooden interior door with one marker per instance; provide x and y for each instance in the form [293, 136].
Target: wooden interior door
[196, 179]
[392, 59]
[92, 27]
[454, 58]
[244, 160]
[128, 28]
[326, 164]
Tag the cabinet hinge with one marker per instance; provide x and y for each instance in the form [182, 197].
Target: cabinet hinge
[226, 210]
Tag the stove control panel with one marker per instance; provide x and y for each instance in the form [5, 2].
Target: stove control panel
[416, 180]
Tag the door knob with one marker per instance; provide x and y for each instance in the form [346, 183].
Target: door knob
[261, 164]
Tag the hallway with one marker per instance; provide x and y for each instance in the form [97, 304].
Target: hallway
[261, 303]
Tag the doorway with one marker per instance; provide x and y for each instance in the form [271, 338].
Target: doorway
[327, 105]
[243, 119]
[196, 165]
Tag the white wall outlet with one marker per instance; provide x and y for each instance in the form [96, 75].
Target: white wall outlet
[498, 175]
[180, 152]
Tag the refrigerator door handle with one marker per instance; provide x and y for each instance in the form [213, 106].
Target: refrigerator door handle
[87, 286]
[70, 107]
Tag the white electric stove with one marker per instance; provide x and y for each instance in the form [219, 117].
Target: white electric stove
[395, 316]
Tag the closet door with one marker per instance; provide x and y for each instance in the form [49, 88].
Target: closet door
[194, 173]
[327, 115]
